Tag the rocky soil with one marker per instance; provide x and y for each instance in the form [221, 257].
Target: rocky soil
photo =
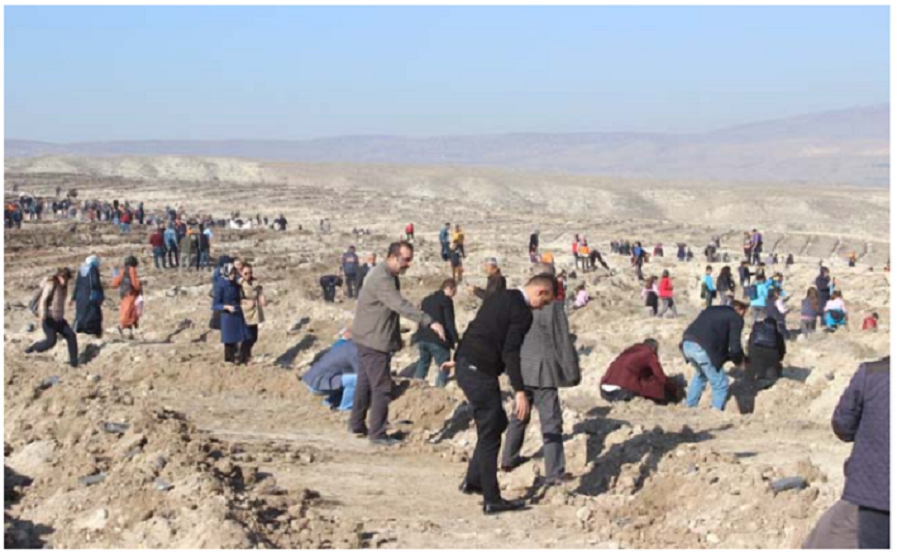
[156, 442]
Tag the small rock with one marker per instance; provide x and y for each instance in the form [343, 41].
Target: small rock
[93, 378]
[712, 539]
[584, 514]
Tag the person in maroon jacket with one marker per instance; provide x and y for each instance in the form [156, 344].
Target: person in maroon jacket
[637, 372]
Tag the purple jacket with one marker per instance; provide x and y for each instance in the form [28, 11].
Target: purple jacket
[863, 417]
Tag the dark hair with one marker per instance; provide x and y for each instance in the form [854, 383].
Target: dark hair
[544, 281]
[665, 274]
[772, 293]
[651, 343]
[130, 261]
[725, 271]
[247, 265]
[875, 316]
[396, 248]
[708, 268]
[449, 283]
[63, 272]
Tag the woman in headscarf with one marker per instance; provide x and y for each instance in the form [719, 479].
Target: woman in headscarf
[253, 300]
[88, 297]
[228, 294]
[129, 289]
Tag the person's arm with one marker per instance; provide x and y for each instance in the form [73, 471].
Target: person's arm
[479, 292]
[45, 297]
[521, 320]
[385, 291]
[218, 297]
[849, 411]
[451, 333]
[135, 281]
[736, 326]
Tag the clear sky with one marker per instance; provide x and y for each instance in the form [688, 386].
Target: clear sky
[110, 73]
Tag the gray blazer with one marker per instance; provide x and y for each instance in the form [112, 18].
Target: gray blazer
[548, 357]
[380, 305]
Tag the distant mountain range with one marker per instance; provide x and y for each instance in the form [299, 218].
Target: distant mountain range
[845, 146]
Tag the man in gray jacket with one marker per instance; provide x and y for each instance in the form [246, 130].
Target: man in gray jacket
[377, 336]
[548, 361]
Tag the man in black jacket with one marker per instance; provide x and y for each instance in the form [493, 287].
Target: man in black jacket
[441, 308]
[711, 340]
[491, 346]
[495, 282]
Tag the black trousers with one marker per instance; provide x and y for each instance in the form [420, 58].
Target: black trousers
[246, 345]
[329, 292]
[874, 529]
[351, 285]
[53, 328]
[372, 392]
[230, 353]
[173, 260]
[484, 395]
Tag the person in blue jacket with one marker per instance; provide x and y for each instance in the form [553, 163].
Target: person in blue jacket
[335, 373]
[708, 287]
[226, 299]
[758, 305]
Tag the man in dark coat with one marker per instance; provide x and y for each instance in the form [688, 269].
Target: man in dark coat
[495, 281]
[708, 342]
[88, 297]
[441, 308]
[863, 417]
[638, 372]
[490, 347]
[766, 349]
[329, 284]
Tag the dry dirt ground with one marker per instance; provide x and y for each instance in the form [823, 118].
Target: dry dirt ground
[219, 456]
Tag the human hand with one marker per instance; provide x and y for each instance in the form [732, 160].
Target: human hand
[437, 328]
[521, 405]
[447, 366]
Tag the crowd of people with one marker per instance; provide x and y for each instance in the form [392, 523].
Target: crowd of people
[522, 332]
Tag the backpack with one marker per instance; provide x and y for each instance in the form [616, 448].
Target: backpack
[765, 335]
[752, 292]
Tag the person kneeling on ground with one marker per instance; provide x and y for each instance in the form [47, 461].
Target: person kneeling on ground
[329, 284]
[441, 308]
[871, 322]
[711, 340]
[835, 312]
[637, 372]
[766, 350]
[335, 373]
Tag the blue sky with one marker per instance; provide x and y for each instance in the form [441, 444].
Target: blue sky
[112, 73]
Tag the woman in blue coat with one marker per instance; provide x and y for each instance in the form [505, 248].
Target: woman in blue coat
[227, 296]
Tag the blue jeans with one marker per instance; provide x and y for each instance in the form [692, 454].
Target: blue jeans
[437, 353]
[126, 228]
[705, 371]
[159, 255]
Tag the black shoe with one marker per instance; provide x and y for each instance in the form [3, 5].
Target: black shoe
[363, 433]
[503, 506]
[469, 489]
[385, 441]
[29, 349]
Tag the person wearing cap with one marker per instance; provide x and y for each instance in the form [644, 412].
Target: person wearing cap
[349, 270]
[495, 281]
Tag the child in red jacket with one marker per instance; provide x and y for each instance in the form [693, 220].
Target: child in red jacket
[665, 291]
[871, 322]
